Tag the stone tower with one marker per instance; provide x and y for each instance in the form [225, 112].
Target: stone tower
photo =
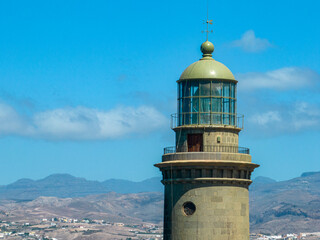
[206, 175]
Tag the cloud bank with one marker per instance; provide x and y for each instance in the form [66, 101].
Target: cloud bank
[250, 43]
[284, 100]
[80, 123]
[281, 79]
[297, 117]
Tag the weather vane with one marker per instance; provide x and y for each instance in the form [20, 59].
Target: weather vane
[207, 31]
[208, 21]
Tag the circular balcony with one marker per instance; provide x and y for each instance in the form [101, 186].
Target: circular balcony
[209, 148]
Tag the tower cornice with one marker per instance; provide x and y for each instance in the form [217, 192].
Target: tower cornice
[206, 163]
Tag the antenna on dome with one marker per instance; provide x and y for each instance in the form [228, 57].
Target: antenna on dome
[208, 22]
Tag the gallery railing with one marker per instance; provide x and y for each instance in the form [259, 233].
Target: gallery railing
[180, 119]
[209, 148]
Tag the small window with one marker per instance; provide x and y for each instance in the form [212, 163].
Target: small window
[232, 106]
[186, 105]
[189, 208]
[226, 89]
[195, 105]
[233, 91]
[205, 118]
[185, 89]
[226, 105]
[180, 90]
[216, 89]
[216, 105]
[204, 88]
[194, 88]
[180, 106]
[205, 105]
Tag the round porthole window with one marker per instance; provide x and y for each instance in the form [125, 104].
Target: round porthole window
[188, 208]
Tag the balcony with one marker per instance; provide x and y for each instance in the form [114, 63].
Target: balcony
[198, 119]
[209, 148]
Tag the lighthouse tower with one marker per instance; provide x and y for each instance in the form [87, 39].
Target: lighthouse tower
[206, 174]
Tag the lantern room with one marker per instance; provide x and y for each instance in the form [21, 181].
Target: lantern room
[207, 93]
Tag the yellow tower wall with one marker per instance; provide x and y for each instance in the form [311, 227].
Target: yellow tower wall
[227, 137]
[222, 212]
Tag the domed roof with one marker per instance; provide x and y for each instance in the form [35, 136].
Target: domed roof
[207, 67]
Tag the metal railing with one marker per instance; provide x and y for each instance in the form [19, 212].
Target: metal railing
[209, 148]
[181, 119]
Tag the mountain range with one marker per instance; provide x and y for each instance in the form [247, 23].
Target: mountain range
[66, 186]
[286, 206]
[275, 207]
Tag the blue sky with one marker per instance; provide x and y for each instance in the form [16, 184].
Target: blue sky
[87, 87]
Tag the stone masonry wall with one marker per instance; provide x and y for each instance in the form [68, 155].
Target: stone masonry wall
[222, 212]
[226, 137]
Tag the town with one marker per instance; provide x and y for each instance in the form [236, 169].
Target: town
[288, 236]
[63, 228]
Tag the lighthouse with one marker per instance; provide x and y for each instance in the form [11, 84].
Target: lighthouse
[206, 174]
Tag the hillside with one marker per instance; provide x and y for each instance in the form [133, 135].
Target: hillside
[113, 207]
[275, 207]
[286, 206]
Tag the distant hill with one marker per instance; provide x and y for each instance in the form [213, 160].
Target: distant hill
[263, 180]
[114, 207]
[65, 185]
[286, 206]
[275, 207]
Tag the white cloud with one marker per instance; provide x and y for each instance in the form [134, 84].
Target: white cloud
[266, 118]
[306, 109]
[280, 79]
[11, 121]
[81, 123]
[297, 117]
[250, 43]
[305, 115]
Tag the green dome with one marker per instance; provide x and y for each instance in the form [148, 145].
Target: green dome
[207, 67]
